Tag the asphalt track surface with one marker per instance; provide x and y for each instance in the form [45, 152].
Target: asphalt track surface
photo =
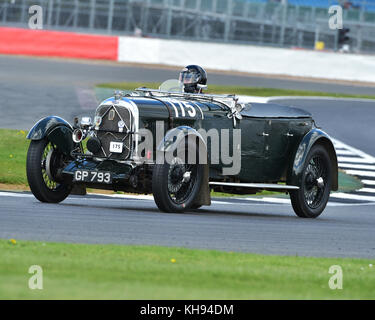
[31, 88]
[232, 225]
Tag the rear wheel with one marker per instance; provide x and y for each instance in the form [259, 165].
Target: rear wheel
[43, 162]
[175, 186]
[312, 197]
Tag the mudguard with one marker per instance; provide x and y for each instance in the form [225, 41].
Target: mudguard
[174, 136]
[315, 136]
[170, 143]
[56, 130]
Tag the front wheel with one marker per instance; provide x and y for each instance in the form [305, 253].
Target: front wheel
[175, 186]
[43, 162]
[312, 197]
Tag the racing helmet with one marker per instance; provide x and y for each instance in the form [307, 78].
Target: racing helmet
[193, 78]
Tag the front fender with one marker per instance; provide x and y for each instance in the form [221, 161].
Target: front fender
[315, 136]
[56, 130]
[175, 136]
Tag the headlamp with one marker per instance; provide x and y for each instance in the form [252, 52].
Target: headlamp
[97, 122]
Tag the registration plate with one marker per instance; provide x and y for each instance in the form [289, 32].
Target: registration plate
[116, 147]
[92, 176]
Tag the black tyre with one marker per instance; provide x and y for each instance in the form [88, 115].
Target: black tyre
[196, 206]
[312, 197]
[176, 185]
[43, 162]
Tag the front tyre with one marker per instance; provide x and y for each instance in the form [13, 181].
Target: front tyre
[175, 186]
[43, 162]
[312, 197]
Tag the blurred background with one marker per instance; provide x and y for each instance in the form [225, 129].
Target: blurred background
[279, 23]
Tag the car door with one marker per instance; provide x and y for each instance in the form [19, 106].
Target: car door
[277, 145]
[215, 122]
[253, 134]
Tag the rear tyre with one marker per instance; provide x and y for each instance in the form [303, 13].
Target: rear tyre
[43, 162]
[312, 197]
[175, 186]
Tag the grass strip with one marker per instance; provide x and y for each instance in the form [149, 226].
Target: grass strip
[77, 271]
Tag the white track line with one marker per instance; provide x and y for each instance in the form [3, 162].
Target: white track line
[369, 182]
[354, 160]
[361, 173]
[368, 190]
[15, 194]
[342, 152]
[340, 144]
[352, 197]
[357, 166]
[266, 199]
[124, 196]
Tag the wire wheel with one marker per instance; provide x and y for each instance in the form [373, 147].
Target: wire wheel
[181, 180]
[315, 185]
[49, 158]
[44, 160]
[315, 181]
[176, 185]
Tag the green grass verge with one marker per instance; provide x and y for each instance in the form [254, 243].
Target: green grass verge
[239, 90]
[13, 151]
[72, 271]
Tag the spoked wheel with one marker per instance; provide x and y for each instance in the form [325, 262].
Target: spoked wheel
[176, 185]
[312, 197]
[43, 162]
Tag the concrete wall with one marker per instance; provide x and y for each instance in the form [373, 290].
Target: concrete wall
[252, 59]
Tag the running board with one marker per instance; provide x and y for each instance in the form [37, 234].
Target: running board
[255, 185]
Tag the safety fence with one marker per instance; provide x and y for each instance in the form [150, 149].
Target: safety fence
[259, 22]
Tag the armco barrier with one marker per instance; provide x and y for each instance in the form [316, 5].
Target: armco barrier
[57, 44]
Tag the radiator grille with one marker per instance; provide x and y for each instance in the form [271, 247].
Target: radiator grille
[109, 131]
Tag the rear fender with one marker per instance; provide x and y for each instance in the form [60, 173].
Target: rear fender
[315, 136]
[56, 130]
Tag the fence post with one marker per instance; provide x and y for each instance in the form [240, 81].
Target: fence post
[50, 11]
[169, 19]
[317, 34]
[128, 16]
[23, 11]
[92, 14]
[360, 29]
[57, 21]
[5, 9]
[75, 13]
[110, 16]
[228, 20]
[284, 8]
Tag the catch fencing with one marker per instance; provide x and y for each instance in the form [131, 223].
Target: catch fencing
[257, 22]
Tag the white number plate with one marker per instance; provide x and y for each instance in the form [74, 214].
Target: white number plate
[116, 147]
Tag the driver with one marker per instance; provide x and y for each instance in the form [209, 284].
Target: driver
[193, 78]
